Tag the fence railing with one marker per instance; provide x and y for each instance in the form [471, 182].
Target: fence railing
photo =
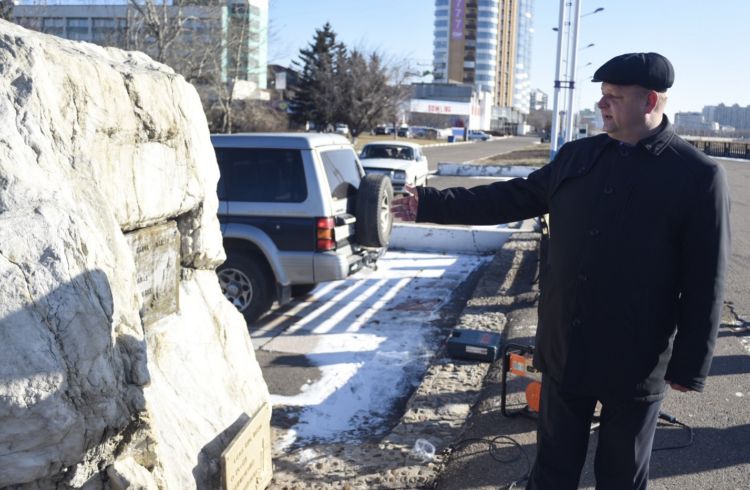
[728, 149]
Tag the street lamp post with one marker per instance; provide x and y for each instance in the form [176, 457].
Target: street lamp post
[558, 83]
[568, 83]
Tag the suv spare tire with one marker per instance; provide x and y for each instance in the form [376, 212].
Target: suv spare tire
[374, 219]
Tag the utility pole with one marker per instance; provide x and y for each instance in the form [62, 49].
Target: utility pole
[576, 20]
[558, 81]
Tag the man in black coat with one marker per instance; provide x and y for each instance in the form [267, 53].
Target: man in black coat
[633, 278]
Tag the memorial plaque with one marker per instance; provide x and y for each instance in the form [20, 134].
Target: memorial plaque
[246, 462]
[156, 250]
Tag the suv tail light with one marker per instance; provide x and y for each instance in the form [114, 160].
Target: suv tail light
[326, 239]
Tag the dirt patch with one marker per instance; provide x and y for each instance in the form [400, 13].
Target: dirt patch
[535, 155]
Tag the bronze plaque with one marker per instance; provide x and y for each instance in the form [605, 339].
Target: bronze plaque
[246, 462]
[156, 251]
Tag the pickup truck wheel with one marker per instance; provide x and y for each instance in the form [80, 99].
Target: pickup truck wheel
[246, 282]
[374, 219]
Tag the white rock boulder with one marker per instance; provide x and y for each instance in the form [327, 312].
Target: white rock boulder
[98, 379]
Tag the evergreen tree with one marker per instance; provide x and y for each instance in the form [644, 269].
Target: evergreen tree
[317, 96]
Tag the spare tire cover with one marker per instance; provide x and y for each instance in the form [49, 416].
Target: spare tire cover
[374, 219]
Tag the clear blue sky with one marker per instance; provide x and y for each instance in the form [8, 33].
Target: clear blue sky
[704, 39]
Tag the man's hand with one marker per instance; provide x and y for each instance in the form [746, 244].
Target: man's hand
[679, 387]
[405, 207]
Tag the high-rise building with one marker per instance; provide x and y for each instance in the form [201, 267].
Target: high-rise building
[237, 29]
[486, 43]
[735, 116]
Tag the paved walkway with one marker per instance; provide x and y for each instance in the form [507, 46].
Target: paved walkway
[456, 409]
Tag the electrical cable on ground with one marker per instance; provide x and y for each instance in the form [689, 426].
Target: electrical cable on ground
[494, 447]
[494, 452]
[672, 420]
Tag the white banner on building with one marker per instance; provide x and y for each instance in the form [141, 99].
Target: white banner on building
[440, 107]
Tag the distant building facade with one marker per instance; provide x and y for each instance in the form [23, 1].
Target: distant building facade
[487, 44]
[694, 123]
[538, 100]
[445, 105]
[204, 23]
[734, 116]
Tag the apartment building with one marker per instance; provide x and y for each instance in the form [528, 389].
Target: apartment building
[486, 43]
[231, 33]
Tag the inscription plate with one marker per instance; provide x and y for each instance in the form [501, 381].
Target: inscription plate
[246, 462]
[156, 251]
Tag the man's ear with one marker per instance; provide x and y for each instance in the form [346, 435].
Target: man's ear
[651, 100]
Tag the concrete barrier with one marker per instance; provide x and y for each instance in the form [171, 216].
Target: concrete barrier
[429, 237]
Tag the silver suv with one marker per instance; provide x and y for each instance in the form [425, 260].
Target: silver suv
[296, 209]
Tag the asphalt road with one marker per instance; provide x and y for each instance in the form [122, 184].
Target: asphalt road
[738, 280]
[466, 152]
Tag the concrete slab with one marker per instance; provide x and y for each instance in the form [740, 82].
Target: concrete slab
[453, 239]
[483, 170]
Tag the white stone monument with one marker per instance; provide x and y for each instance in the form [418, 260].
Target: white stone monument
[121, 363]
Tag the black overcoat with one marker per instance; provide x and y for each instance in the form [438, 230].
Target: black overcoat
[633, 279]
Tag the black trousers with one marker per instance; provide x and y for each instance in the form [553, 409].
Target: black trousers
[626, 435]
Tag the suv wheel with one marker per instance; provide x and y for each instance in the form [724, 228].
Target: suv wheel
[374, 219]
[247, 284]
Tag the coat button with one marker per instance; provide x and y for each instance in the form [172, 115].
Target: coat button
[608, 190]
[583, 277]
[593, 231]
[576, 322]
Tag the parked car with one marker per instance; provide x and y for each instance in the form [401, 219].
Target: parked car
[341, 128]
[295, 209]
[477, 135]
[404, 163]
[383, 130]
[404, 132]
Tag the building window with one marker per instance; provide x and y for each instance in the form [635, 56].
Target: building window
[109, 31]
[53, 25]
[78, 28]
[441, 23]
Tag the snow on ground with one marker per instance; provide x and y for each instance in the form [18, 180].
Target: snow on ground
[372, 338]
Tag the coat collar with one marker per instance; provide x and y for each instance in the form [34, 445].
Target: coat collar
[657, 142]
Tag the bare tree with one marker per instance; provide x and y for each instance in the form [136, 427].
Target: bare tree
[372, 92]
[156, 26]
[6, 9]
[191, 37]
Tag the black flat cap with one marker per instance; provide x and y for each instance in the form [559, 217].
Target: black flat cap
[649, 70]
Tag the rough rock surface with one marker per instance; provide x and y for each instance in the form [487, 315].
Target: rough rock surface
[96, 143]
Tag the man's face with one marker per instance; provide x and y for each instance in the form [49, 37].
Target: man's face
[624, 108]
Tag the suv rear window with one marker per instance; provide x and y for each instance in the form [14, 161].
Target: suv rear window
[261, 175]
[342, 172]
